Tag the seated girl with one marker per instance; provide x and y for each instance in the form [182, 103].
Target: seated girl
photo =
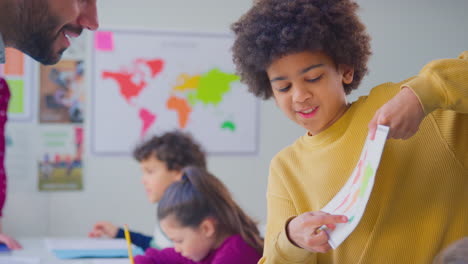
[206, 225]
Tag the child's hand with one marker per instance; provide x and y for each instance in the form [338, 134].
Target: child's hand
[303, 230]
[104, 229]
[403, 114]
[10, 242]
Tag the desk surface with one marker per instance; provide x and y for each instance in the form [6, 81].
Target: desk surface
[36, 248]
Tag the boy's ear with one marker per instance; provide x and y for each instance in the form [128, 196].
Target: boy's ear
[208, 227]
[178, 175]
[347, 73]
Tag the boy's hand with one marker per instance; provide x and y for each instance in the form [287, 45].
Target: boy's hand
[303, 230]
[403, 114]
[10, 242]
[104, 229]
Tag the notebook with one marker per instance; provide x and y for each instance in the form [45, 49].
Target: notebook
[90, 248]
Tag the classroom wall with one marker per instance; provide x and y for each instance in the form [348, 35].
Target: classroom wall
[405, 35]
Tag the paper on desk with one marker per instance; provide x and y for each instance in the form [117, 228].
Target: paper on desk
[352, 199]
[85, 243]
[18, 260]
[112, 261]
[90, 248]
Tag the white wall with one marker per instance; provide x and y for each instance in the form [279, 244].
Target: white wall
[406, 35]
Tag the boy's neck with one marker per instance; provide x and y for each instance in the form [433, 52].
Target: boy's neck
[337, 117]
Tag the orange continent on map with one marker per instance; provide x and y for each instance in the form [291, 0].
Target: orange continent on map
[182, 107]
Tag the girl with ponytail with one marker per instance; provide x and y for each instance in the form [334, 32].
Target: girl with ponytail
[206, 225]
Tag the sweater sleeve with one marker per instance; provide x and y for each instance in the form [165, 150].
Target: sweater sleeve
[443, 84]
[278, 248]
[138, 239]
[4, 99]
[165, 256]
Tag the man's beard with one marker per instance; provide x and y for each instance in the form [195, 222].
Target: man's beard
[39, 46]
[37, 33]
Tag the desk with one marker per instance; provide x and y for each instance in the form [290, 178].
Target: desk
[36, 247]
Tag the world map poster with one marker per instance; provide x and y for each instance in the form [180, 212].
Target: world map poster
[147, 83]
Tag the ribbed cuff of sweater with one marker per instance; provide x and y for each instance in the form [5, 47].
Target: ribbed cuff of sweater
[290, 252]
[428, 94]
[441, 84]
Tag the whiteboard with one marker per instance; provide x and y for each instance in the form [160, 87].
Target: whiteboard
[146, 83]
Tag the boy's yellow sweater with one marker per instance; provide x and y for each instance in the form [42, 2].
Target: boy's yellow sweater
[419, 203]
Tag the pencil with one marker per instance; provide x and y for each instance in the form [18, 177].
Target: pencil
[129, 244]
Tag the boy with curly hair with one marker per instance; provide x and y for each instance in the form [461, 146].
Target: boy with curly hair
[162, 159]
[308, 55]
[456, 253]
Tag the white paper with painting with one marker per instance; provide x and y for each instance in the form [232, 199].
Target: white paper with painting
[352, 199]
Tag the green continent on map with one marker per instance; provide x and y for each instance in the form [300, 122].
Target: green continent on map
[212, 86]
[228, 125]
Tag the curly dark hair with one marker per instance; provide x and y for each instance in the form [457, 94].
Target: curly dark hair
[272, 29]
[176, 149]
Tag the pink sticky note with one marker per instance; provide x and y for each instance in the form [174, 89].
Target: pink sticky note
[104, 40]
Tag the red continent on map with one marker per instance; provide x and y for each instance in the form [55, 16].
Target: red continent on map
[148, 119]
[156, 66]
[128, 88]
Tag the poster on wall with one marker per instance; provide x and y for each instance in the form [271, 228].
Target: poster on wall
[147, 83]
[19, 73]
[60, 163]
[61, 93]
[19, 158]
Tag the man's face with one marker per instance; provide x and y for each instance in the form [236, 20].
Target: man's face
[45, 26]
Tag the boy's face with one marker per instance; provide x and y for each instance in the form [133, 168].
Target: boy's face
[192, 243]
[157, 177]
[308, 88]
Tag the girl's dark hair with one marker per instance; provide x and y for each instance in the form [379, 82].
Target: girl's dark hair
[272, 29]
[200, 195]
[176, 149]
